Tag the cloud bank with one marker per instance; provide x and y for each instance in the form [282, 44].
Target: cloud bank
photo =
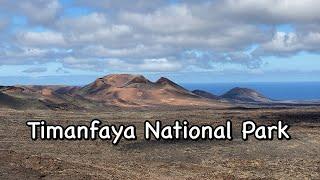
[155, 36]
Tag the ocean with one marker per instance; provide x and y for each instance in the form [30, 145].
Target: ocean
[277, 90]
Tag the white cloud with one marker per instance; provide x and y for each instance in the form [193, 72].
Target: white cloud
[83, 23]
[274, 11]
[46, 38]
[172, 19]
[288, 44]
[159, 65]
[137, 52]
[83, 63]
[148, 65]
[157, 35]
[101, 35]
[138, 5]
[39, 11]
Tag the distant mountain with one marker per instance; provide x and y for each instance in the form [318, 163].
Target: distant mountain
[124, 90]
[127, 90]
[205, 94]
[136, 90]
[245, 95]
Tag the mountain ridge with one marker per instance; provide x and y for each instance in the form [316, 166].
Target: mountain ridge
[122, 90]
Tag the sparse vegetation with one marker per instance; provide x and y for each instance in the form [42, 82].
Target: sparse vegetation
[22, 158]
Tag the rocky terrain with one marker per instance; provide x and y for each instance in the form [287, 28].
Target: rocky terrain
[298, 158]
[133, 99]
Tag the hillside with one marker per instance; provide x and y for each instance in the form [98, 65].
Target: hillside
[136, 90]
[205, 94]
[122, 90]
[245, 95]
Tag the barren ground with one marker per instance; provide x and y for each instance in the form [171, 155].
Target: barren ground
[298, 158]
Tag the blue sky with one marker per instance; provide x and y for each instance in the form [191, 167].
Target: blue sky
[74, 42]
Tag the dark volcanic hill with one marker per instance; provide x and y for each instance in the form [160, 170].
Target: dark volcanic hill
[205, 94]
[7, 101]
[245, 95]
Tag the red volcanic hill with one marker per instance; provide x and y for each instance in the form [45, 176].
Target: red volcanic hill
[123, 90]
[136, 90]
